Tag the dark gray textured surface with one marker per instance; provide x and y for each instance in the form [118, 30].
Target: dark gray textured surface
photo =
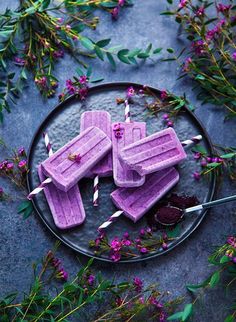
[22, 242]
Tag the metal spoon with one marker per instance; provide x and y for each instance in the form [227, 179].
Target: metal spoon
[179, 213]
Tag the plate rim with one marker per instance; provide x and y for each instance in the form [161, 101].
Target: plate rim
[140, 258]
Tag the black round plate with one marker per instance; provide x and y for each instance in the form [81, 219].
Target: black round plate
[63, 123]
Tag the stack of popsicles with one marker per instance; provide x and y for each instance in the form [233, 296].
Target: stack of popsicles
[142, 167]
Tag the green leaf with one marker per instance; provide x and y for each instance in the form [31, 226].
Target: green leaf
[193, 288]
[215, 279]
[30, 10]
[25, 208]
[167, 13]
[121, 55]
[188, 310]
[24, 204]
[170, 50]
[79, 71]
[169, 59]
[5, 34]
[111, 60]
[228, 155]
[157, 50]
[175, 316]
[44, 5]
[143, 55]
[23, 74]
[199, 77]
[96, 80]
[103, 43]
[149, 47]
[170, 1]
[225, 259]
[229, 318]
[87, 43]
[98, 52]
[108, 4]
[134, 53]
[213, 165]
[89, 71]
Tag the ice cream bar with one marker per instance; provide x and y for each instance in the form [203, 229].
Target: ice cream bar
[135, 202]
[71, 162]
[125, 133]
[153, 153]
[102, 120]
[66, 207]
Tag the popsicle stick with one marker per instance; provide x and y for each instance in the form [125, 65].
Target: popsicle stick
[47, 144]
[194, 140]
[110, 220]
[95, 191]
[127, 112]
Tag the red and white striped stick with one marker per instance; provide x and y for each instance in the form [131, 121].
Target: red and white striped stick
[194, 140]
[95, 190]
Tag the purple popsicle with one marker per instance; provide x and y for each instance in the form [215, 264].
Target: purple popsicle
[158, 151]
[71, 163]
[125, 133]
[135, 202]
[102, 120]
[66, 207]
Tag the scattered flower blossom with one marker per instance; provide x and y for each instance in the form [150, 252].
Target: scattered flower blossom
[200, 12]
[197, 155]
[164, 246]
[223, 8]
[183, 3]
[203, 163]
[170, 124]
[164, 95]
[137, 282]
[121, 3]
[62, 274]
[234, 56]
[116, 244]
[187, 63]
[1, 191]
[21, 151]
[83, 92]
[115, 13]
[165, 117]
[91, 279]
[231, 241]
[130, 92]
[198, 47]
[19, 61]
[143, 250]
[22, 164]
[83, 79]
[115, 257]
[196, 176]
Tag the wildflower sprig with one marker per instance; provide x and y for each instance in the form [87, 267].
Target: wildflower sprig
[36, 35]
[210, 59]
[224, 261]
[119, 301]
[222, 162]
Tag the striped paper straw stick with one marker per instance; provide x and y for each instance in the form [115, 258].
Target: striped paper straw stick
[127, 111]
[95, 191]
[110, 220]
[194, 140]
[39, 188]
[47, 144]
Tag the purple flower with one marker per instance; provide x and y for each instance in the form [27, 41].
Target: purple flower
[162, 316]
[126, 242]
[200, 11]
[83, 92]
[83, 79]
[231, 241]
[91, 279]
[142, 232]
[203, 163]
[121, 2]
[77, 158]
[61, 96]
[126, 235]
[143, 250]
[198, 47]
[183, 3]
[56, 262]
[1, 191]
[62, 274]
[197, 155]
[196, 176]
[165, 117]
[223, 8]
[234, 260]
[60, 20]
[115, 13]
[58, 54]
[116, 244]
[164, 94]
[115, 256]
[68, 27]
[209, 159]
[22, 164]
[170, 124]
[212, 33]
[138, 284]
[10, 166]
[148, 230]
[186, 65]
[164, 246]
[19, 61]
[21, 151]
[130, 91]
[234, 56]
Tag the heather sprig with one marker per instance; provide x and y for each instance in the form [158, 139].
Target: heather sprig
[125, 247]
[210, 57]
[224, 261]
[119, 301]
[223, 161]
[37, 34]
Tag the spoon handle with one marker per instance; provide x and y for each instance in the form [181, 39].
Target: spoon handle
[210, 204]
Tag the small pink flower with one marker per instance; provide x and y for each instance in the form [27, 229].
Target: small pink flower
[77, 158]
[231, 241]
[196, 176]
[170, 124]
[164, 95]
[223, 8]
[22, 164]
[115, 244]
[126, 242]
[115, 13]
[187, 63]
[234, 56]
[121, 3]
[183, 3]
[21, 151]
[138, 284]
[91, 279]
[62, 274]
[83, 79]
[130, 92]
[60, 20]
[10, 166]
[115, 257]
[143, 250]
[1, 191]
[164, 246]
[200, 12]
[83, 92]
